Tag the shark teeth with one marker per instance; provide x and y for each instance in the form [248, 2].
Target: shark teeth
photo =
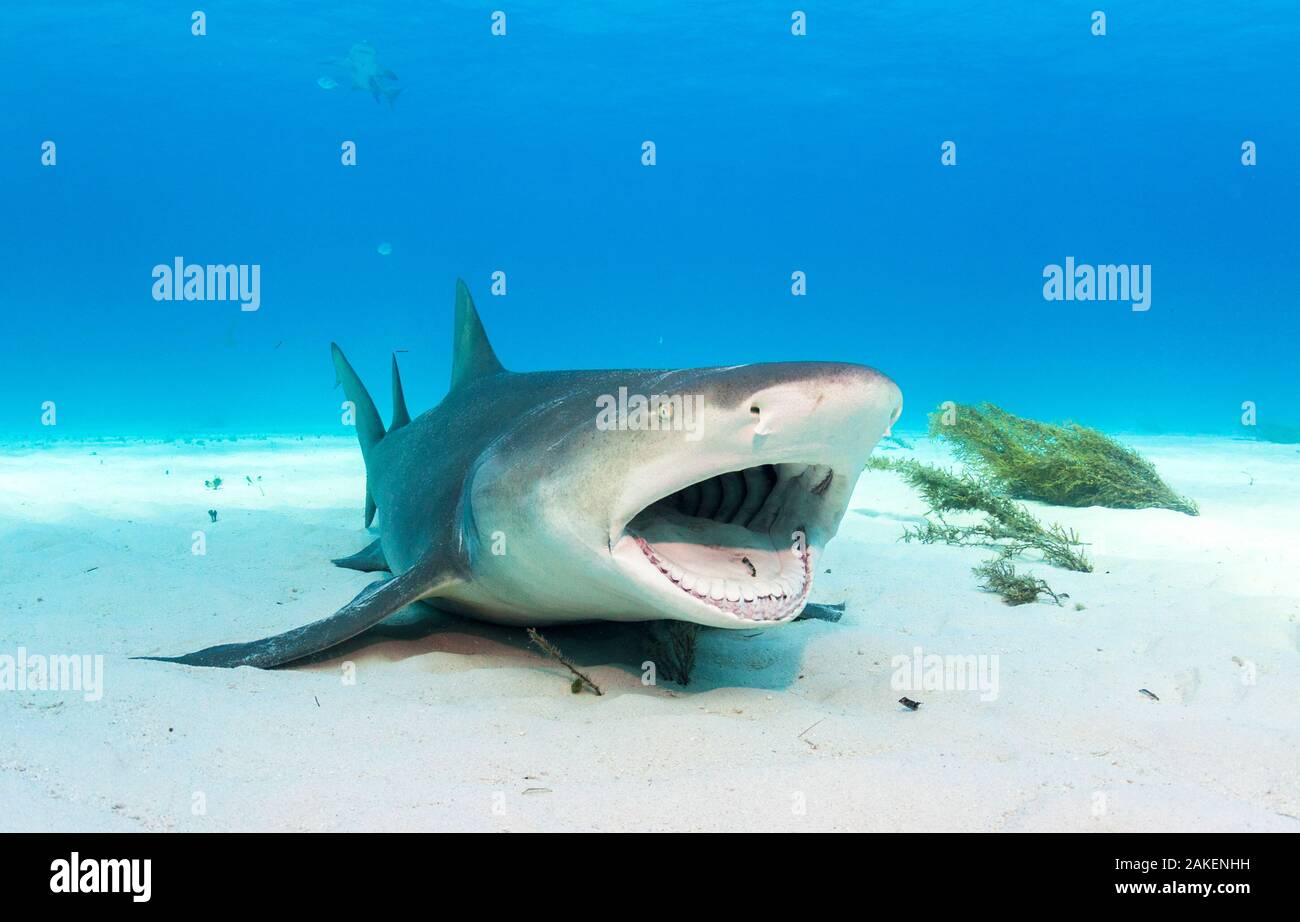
[749, 599]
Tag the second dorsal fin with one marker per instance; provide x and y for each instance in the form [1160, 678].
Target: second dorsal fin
[400, 414]
[472, 356]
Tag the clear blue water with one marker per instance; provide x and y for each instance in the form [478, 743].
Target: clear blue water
[775, 153]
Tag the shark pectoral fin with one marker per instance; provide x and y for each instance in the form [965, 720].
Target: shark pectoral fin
[820, 612]
[368, 560]
[372, 605]
[389, 75]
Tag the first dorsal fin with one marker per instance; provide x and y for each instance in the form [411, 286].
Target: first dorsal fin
[472, 355]
[400, 415]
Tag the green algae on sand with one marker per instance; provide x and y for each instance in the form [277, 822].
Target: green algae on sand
[1001, 576]
[1008, 526]
[1068, 465]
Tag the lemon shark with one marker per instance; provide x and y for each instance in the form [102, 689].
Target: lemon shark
[703, 495]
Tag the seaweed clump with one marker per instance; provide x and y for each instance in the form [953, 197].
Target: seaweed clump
[1000, 576]
[1067, 465]
[1007, 525]
[670, 645]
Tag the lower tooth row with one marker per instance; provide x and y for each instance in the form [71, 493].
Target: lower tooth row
[729, 589]
[778, 592]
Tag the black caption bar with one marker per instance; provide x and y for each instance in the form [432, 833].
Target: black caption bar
[302, 871]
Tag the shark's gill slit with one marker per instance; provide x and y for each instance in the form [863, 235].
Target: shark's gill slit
[725, 539]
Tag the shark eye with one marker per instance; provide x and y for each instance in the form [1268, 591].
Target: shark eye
[754, 409]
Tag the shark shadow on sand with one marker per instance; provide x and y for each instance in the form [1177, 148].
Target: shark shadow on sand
[724, 659]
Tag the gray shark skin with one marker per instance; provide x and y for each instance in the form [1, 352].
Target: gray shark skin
[365, 73]
[521, 500]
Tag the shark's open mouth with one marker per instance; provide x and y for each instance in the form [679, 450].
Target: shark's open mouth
[738, 541]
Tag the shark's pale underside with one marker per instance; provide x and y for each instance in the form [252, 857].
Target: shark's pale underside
[524, 499]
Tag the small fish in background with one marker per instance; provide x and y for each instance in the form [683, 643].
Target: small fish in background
[326, 83]
[385, 249]
[365, 72]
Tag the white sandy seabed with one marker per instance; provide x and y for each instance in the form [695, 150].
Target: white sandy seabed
[468, 727]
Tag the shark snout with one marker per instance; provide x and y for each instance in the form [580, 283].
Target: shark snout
[895, 402]
[823, 398]
[875, 398]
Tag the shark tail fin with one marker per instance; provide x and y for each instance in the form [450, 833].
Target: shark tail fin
[370, 428]
[400, 415]
[472, 355]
